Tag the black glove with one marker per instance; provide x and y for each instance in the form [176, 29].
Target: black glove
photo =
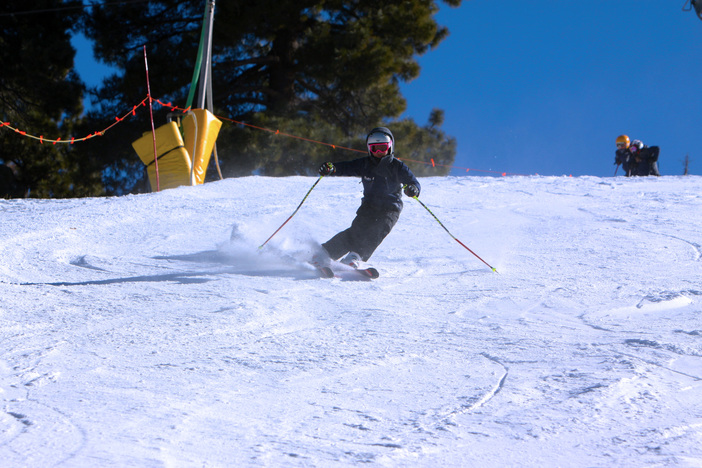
[411, 190]
[326, 169]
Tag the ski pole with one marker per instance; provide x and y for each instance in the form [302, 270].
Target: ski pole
[294, 212]
[454, 237]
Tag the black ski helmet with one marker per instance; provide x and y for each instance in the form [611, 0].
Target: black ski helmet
[380, 132]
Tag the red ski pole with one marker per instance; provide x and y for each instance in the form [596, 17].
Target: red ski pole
[296, 210]
[151, 113]
[454, 237]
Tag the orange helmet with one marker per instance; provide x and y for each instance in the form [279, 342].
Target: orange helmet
[622, 140]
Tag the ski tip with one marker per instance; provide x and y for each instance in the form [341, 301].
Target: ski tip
[372, 273]
[325, 272]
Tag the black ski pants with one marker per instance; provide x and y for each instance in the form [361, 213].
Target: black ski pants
[371, 225]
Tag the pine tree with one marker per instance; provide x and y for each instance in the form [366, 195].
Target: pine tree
[42, 96]
[322, 70]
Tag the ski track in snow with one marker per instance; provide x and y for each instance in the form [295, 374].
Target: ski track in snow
[151, 330]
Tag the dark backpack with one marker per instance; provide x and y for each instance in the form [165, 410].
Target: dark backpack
[653, 151]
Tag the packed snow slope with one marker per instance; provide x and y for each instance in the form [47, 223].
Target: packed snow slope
[151, 330]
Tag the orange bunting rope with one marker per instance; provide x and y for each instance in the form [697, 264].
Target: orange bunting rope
[468, 169]
[42, 140]
[275, 132]
[174, 108]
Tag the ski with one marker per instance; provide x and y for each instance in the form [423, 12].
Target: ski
[371, 273]
[349, 273]
[346, 272]
[324, 271]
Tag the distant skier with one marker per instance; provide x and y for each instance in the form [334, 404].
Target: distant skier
[645, 159]
[383, 177]
[622, 156]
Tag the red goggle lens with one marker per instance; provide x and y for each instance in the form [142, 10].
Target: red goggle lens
[378, 147]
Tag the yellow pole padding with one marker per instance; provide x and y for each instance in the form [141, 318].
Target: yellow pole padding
[173, 159]
[200, 130]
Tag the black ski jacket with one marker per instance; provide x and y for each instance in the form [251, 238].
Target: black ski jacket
[382, 179]
[623, 156]
[646, 161]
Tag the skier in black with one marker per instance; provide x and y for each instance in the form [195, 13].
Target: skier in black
[645, 159]
[383, 177]
[622, 155]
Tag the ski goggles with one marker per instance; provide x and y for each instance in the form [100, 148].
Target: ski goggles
[621, 145]
[633, 148]
[376, 148]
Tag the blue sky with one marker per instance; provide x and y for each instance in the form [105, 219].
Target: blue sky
[90, 70]
[545, 86]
